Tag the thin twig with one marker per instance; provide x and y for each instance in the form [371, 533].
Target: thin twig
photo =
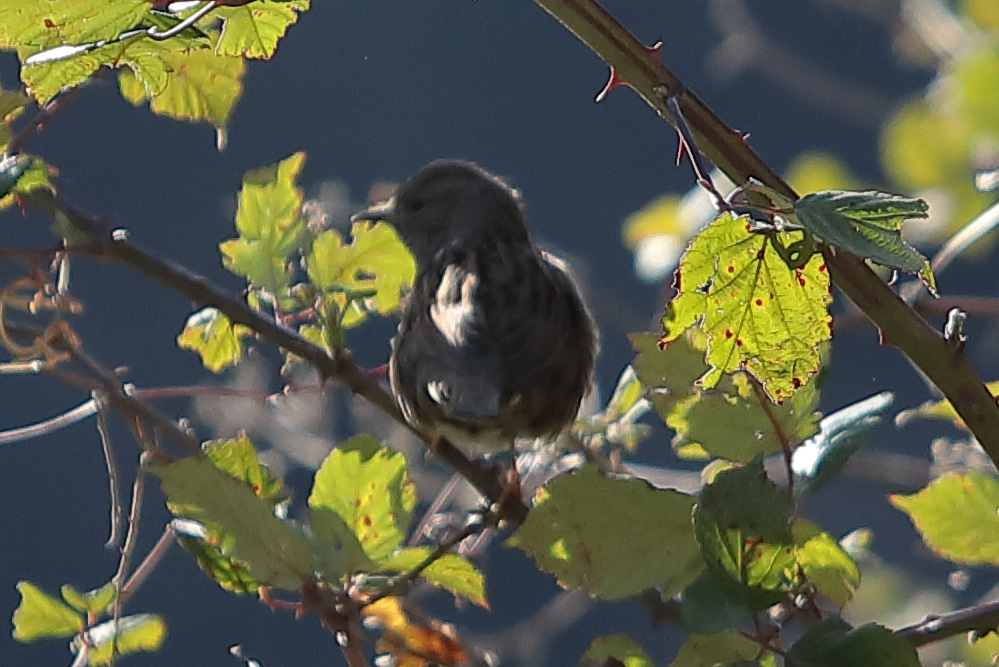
[342, 368]
[148, 564]
[785, 442]
[981, 619]
[105, 434]
[79, 413]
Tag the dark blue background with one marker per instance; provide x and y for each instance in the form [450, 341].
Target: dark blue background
[373, 90]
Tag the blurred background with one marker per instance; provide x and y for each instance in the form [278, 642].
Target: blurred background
[901, 95]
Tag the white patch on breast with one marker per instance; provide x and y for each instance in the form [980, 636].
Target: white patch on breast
[453, 309]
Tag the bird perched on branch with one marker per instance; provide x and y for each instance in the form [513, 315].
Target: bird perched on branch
[494, 342]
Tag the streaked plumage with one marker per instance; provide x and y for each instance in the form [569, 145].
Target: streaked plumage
[495, 342]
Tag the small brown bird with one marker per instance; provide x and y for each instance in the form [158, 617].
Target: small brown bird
[495, 342]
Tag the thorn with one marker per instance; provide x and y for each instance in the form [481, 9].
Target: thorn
[655, 49]
[612, 82]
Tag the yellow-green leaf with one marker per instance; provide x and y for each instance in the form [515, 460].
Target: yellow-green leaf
[137, 633]
[253, 30]
[621, 648]
[218, 341]
[366, 485]
[195, 85]
[450, 572]
[40, 615]
[760, 315]
[957, 516]
[375, 261]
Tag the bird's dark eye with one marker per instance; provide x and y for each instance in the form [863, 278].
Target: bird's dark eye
[416, 205]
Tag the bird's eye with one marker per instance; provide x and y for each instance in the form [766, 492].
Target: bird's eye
[416, 205]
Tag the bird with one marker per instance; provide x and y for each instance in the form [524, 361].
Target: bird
[495, 342]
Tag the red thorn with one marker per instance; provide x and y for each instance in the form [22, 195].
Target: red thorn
[379, 371]
[655, 49]
[612, 82]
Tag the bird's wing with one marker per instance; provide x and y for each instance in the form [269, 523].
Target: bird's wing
[444, 352]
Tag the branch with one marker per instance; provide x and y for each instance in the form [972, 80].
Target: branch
[342, 368]
[639, 67]
[980, 619]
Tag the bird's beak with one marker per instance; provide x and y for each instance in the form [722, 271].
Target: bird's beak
[382, 211]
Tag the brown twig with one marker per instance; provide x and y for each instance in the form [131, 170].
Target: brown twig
[341, 368]
[980, 619]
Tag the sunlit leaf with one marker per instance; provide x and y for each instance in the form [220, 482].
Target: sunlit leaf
[734, 422]
[375, 261]
[40, 615]
[941, 409]
[619, 647]
[136, 634]
[278, 555]
[742, 525]
[760, 315]
[197, 85]
[611, 537]
[367, 487]
[269, 224]
[215, 338]
[253, 30]
[824, 562]
[450, 572]
[92, 602]
[868, 225]
[956, 515]
[45, 24]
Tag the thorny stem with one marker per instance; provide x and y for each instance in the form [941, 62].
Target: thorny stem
[640, 68]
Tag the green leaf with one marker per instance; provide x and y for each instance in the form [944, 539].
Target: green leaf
[840, 435]
[941, 409]
[733, 422]
[211, 545]
[367, 487]
[824, 562]
[213, 552]
[238, 457]
[450, 572]
[721, 648]
[46, 24]
[95, 602]
[742, 525]
[956, 515]
[619, 647]
[278, 555]
[253, 30]
[40, 615]
[137, 633]
[867, 224]
[150, 61]
[760, 316]
[834, 643]
[269, 224]
[195, 85]
[218, 341]
[611, 537]
[376, 260]
[708, 606]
